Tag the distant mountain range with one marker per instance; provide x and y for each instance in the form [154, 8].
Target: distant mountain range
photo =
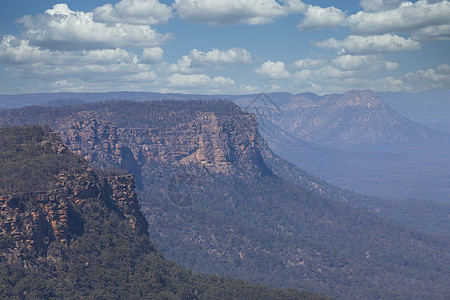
[354, 140]
[429, 108]
[218, 200]
[352, 146]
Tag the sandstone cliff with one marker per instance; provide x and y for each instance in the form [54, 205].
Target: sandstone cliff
[34, 220]
[216, 135]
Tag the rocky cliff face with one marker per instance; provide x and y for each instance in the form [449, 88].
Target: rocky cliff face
[34, 220]
[226, 143]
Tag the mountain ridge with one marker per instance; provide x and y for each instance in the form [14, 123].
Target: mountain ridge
[83, 236]
[262, 227]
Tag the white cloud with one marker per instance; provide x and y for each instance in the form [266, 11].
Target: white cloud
[194, 80]
[355, 44]
[202, 83]
[318, 18]
[142, 12]
[420, 80]
[151, 55]
[101, 65]
[408, 17]
[309, 63]
[18, 51]
[197, 60]
[363, 62]
[272, 70]
[379, 5]
[345, 72]
[216, 56]
[227, 12]
[64, 29]
[432, 33]
[183, 65]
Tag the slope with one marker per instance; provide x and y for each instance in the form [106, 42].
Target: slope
[66, 233]
[215, 203]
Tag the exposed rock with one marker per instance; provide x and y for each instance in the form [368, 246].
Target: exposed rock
[224, 145]
[35, 220]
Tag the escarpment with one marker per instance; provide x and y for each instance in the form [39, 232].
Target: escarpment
[216, 135]
[35, 216]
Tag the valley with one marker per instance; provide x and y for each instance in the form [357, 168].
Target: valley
[218, 200]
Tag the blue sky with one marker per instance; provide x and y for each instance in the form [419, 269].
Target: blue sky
[224, 47]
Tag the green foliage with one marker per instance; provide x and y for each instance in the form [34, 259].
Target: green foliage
[28, 161]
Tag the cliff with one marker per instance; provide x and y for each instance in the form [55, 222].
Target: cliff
[214, 205]
[68, 233]
[35, 219]
[213, 134]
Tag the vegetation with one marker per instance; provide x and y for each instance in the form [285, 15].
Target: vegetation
[262, 229]
[29, 161]
[106, 260]
[273, 232]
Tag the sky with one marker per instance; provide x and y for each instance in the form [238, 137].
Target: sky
[224, 47]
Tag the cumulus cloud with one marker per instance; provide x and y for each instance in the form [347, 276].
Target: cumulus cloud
[364, 62]
[197, 60]
[194, 80]
[227, 12]
[408, 17]
[379, 5]
[141, 12]
[432, 33]
[151, 55]
[309, 63]
[18, 51]
[183, 65]
[63, 29]
[355, 44]
[216, 56]
[188, 83]
[345, 72]
[438, 78]
[272, 70]
[318, 18]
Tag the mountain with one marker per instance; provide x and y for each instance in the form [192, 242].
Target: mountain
[431, 108]
[357, 142]
[70, 232]
[218, 200]
[353, 118]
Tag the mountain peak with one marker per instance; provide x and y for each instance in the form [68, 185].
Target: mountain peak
[353, 118]
[366, 98]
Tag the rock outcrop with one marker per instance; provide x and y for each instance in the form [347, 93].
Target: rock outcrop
[34, 220]
[222, 142]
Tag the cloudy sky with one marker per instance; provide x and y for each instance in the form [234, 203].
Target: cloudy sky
[227, 46]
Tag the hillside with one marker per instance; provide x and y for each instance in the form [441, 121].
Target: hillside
[211, 194]
[355, 141]
[68, 233]
[353, 118]
[431, 108]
